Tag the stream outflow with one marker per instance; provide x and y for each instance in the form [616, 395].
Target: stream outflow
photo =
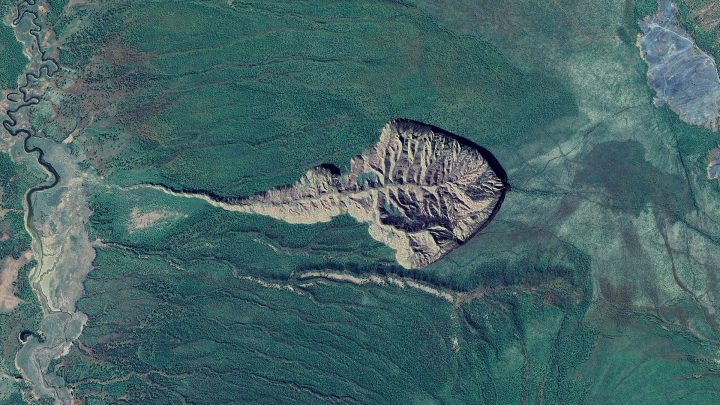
[48, 68]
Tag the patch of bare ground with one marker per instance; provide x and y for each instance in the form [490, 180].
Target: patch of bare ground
[141, 220]
[8, 275]
[76, 131]
[76, 3]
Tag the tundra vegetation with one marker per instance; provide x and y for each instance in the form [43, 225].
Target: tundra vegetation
[595, 282]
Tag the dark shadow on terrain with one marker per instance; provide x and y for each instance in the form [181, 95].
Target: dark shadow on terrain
[334, 170]
[25, 335]
[421, 224]
[631, 182]
[486, 154]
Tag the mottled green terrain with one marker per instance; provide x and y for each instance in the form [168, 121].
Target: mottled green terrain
[19, 309]
[23, 314]
[596, 282]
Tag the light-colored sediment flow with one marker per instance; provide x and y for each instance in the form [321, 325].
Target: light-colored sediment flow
[422, 191]
[142, 220]
[310, 279]
[64, 255]
[447, 295]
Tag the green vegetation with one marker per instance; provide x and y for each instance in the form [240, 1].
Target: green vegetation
[25, 317]
[189, 84]
[13, 60]
[642, 8]
[179, 322]
[244, 241]
[595, 283]
[56, 8]
[14, 241]
[701, 26]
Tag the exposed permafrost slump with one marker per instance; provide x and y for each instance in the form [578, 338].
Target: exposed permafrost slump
[682, 75]
[423, 191]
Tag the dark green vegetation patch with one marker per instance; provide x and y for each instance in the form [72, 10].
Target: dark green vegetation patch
[596, 282]
[13, 60]
[212, 103]
[176, 320]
